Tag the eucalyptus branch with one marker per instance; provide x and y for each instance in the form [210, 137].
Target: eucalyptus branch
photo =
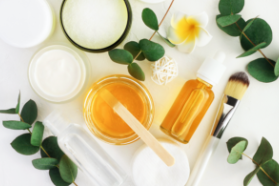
[156, 30]
[259, 167]
[243, 33]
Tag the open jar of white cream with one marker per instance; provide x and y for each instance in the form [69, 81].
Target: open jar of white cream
[96, 25]
[58, 73]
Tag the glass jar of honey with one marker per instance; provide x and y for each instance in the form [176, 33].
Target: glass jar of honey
[104, 123]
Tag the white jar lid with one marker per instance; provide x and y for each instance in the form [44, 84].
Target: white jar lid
[25, 23]
[149, 170]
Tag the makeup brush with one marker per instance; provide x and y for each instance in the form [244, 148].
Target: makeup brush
[235, 90]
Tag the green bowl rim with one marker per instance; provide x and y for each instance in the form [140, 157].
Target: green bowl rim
[114, 45]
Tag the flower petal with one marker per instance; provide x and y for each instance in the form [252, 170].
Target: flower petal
[203, 38]
[176, 18]
[172, 36]
[187, 47]
[201, 19]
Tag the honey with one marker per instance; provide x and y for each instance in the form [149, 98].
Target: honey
[107, 121]
[188, 110]
[104, 122]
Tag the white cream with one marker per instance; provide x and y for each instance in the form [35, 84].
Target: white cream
[25, 23]
[57, 73]
[95, 24]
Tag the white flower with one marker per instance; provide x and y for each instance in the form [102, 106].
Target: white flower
[187, 32]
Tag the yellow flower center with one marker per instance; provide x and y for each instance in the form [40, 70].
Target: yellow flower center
[187, 28]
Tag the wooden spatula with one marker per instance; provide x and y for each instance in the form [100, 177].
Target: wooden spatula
[136, 126]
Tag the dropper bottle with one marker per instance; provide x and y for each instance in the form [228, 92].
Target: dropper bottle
[194, 100]
[86, 153]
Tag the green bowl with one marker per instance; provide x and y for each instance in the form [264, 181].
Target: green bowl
[114, 45]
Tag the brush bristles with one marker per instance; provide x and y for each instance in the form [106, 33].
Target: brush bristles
[237, 85]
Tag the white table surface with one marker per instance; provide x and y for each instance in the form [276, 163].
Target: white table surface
[257, 115]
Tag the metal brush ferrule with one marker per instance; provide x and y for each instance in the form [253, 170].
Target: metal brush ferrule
[225, 112]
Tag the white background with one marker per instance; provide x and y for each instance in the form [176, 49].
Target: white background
[257, 115]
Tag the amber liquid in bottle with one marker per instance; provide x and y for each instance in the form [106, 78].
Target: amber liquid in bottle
[188, 110]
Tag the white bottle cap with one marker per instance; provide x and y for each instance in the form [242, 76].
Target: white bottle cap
[212, 69]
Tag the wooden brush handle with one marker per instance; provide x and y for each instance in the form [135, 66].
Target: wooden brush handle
[139, 129]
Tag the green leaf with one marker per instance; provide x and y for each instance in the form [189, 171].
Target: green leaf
[166, 40]
[29, 112]
[150, 19]
[228, 7]
[236, 152]
[233, 29]
[261, 70]
[16, 125]
[68, 170]
[135, 71]
[252, 50]
[250, 22]
[37, 134]
[134, 48]
[56, 178]
[264, 152]
[228, 20]
[233, 141]
[272, 169]
[121, 56]
[18, 104]
[258, 32]
[250, 176]
[276, 68]
[23, 146]
[51, 146]
[45, 163]
[8, 111]
[152, 51]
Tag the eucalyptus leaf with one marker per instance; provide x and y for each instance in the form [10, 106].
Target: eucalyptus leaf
[264, 152]
[121, 56]
[45, 163]
[250, 22]
[276, 68]
[51, 146]
[135, 71]
[9, 111]
[150, 19]
[18, 104]
[134, 48]
[56, 178]
[250, 176]
[23, 146]
[16, 125]
[261, 70]
[152, 51]
[233, 141]
[232, 30]
[236, 152]
[68, 170]
[258, 32]
[252, 50]
[272, 169]
[228, 7]
[29, 112]
[37, 134]
[228, 20]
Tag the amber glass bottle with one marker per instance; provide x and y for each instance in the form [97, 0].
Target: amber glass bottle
[193, 101]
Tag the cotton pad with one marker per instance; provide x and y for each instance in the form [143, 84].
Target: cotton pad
[25, 23]
[149, 170]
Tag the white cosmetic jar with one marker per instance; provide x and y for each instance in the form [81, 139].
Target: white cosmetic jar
[25, 23]
[59, 73]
